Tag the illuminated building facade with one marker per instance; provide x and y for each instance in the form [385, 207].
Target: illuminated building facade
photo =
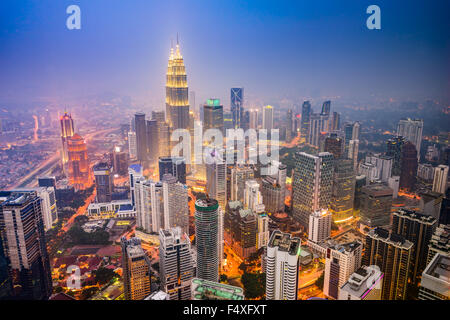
[342, 198]
[104, 183]
[392, 253]
[305, 119]
[79, 171]
[282, 264]
[409, 166]
[136, 269]
[175, 263]
[67, 131]
[177, 96]
[237, 106]
[375, 206]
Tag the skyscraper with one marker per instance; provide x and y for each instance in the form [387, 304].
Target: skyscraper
[67, 131]
[136, 270]
[48, 206]
[104, 182]
[119, 161]
[394, 148]
[440, 179]
[239, 175]
[409, 166]
[376, 202]
[392, 253]
[152, 138]
[132, 144]
[253, 119]
[334, 145]
[134, 173]
[289, 120]
[176, 209]
[306, 112]
[312, 185]
[353, 149]
[418, 229]
[213, 115]
[252, 197]
[216, 174]
[351, 132]
[175, 166]
[340, 262]
[79, 170]
[272, 195]
[175, 263]
[141, 136]
[22, 231]
[411, 130]
[342, 199]
[207, 237]
[267, 120]
[282, 266]
[6, 288]
[177, 100]
[326, 107]
[237, 106]
[319, 226]
[152, 209]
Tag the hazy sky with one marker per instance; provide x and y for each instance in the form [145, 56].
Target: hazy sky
[275, 49]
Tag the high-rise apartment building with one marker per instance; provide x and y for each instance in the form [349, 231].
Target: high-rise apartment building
[48, 206]
[392, 253]
[136, 270]
[176, 209]
[418, 229]
[267, 120]
[175, 263]
[206, 238]
[282, 264]
[319, 226]
[239, 175]
[440, 179]
[340, 262]
[435, 283]
[23, 235]
[439, 242]
[312, 185]
[104, 182]
[411, 130]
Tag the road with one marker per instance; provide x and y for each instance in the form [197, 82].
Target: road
[81, 210]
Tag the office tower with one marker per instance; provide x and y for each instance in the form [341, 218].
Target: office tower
[136, 269]
[175, 166]
[79, 170]
[425, 171]
[239, 175]
[376, 202]
[104, 182]
[245, 121]
[359, 183]
[176, 209]
[340, 262]
[152, 210]
[152, 139]
[343, 190]
[418, 229]
[392, 253]
[208, 290]
[439, 242]
[409, 166]
[289, 119]
[435, 283]
[177, 100]
[312, 185]
[394, 184]
[267, 120]
[134, 173]
[335, 124]
[141, 136]
[67, 131]
[175, 263]
[159, 116]
[394, 148]
[206, 233]
[227, 121]
[319, 226]
[47, 182]
[334, 145]
[326, 107]
[240, 226]
[314, 129]
[253, 199]
[431, 203]
[216, 174]
[22, 232]
[364, 284]
[237, 106]
[253, 119]
[48, 206]
[213, 115]
[132, 145]
[272, 195]
[440, 179]
[262, 220]
[164, 139]
[351, 132]
[6, 288]
[411, 130]
[369, 170]
[282, 264]
[119, 161]
[353, 149]
[305, 119]
[192, 103]
[383, 165]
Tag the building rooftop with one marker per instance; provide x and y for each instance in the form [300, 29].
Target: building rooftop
[208, 290]
[362, 281]
[284, 242]
[413, 215]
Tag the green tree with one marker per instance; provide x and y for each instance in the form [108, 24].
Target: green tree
[104, 275]
[319, 281]
[223, 278]
[254, 284]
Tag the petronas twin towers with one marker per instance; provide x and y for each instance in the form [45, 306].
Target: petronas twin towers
[177, 100]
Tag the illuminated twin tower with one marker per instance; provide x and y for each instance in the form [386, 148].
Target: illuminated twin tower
[177, 100]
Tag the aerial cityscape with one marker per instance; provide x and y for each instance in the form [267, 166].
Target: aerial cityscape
[279, 172]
